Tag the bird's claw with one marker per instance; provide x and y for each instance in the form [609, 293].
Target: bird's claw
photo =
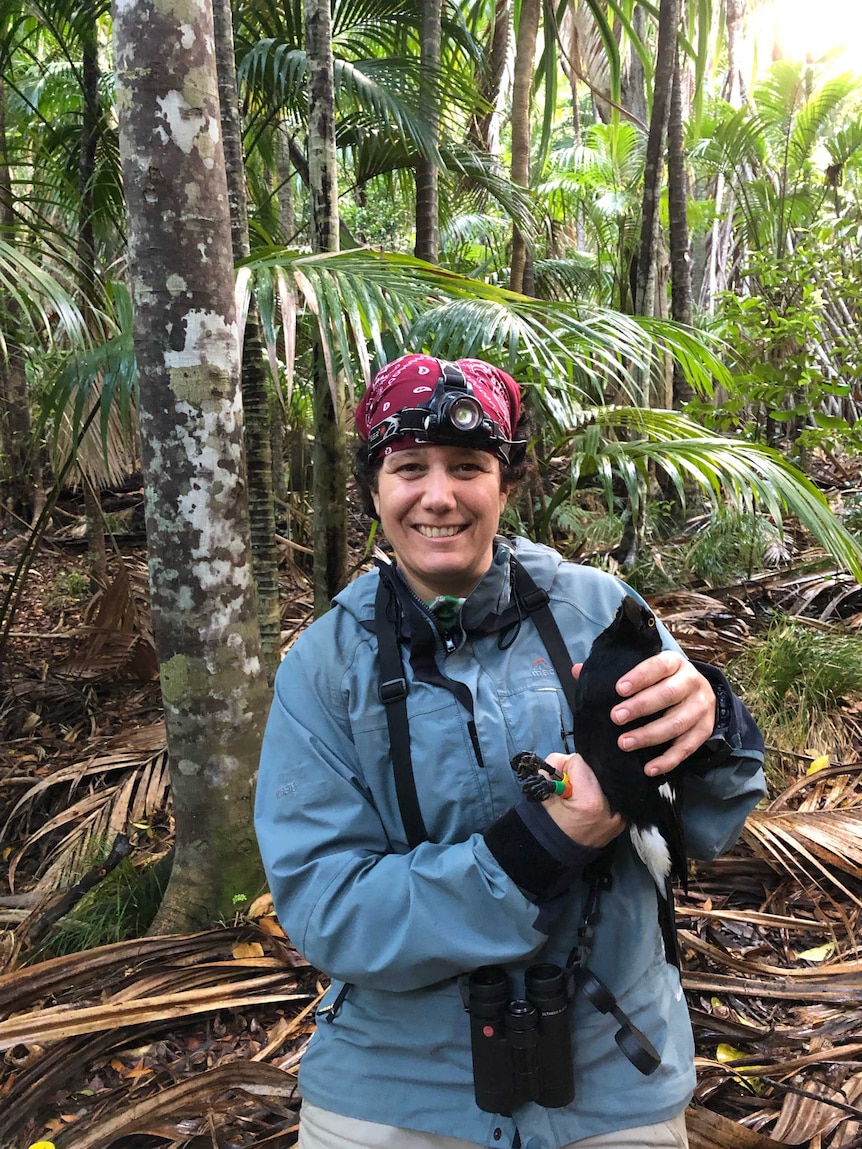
[535, 787]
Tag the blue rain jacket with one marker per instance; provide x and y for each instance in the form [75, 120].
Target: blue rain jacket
[401, 925]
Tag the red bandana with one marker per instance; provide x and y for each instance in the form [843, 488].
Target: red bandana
[410, 382]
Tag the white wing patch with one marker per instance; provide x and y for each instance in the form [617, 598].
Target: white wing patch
[667, 792]
[653, 852]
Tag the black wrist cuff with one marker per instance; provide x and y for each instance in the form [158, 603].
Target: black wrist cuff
[542, 861]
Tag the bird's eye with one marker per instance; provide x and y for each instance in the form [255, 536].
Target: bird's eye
[650, 621]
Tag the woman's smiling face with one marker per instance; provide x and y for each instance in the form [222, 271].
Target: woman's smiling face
[440, 509]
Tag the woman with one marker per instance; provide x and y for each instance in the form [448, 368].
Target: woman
[401, 853]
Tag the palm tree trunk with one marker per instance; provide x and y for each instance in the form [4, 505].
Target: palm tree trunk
[18, 471]
[330, 450]
[491, 82]
[427, 194]
[255, 396]
[97, 552]
[187, 347]
[525, 54]
[668, 25]
[680, 255]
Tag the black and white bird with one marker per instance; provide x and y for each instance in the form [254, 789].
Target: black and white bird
[650, 805]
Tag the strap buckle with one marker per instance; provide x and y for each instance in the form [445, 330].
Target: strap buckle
[395, 690]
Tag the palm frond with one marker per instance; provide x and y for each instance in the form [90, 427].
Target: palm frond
[628, 441]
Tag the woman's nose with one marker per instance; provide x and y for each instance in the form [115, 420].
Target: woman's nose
[439, 490]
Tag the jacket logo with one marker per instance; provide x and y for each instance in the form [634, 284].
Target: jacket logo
[541, 669]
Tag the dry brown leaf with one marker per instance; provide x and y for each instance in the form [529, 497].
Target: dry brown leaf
[270, 926]
[247, 950]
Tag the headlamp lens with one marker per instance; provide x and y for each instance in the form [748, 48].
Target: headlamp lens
[465, 413]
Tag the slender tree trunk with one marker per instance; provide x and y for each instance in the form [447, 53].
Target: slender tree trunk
[482, 133]
[187, 347]
[525, 55]
[18, 470]
[668, 25]
[329, 486]
[255, 393]
[97, 552]
[633, 94]
[680, 253]
[427, 192]
[284, 173]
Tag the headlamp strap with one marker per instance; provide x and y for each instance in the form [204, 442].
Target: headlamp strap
[452, 376]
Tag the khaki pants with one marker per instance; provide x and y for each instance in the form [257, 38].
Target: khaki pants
[320, 1129]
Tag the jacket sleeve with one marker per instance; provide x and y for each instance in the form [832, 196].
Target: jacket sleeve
[353, 907]
[724, 780]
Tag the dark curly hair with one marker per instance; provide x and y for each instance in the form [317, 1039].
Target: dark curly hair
[365, 470]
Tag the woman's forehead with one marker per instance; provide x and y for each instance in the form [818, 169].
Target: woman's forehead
[429, 453]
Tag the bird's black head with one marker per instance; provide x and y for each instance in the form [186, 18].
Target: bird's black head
[636, 623]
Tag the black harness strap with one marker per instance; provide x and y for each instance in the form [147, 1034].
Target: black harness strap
[535, 601]
[393, 695]
[393, 684]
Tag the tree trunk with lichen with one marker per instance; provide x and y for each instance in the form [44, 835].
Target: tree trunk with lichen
[255, 393]
[330, 447]
[187, 348]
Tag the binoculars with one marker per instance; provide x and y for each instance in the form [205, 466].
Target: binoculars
[522, 1049]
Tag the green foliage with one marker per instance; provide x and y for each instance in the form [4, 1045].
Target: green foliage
[790, 159]
[378, 218]
[121, 906]
[69, 587]
[589, 529]
[732, 546]
[795, 679]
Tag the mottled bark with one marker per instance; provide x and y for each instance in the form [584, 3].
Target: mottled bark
[18, 470]
[186, 342]
[680, 254]
[427, 244]
[482, 134]
[525, 54]
[255, 396]
[329, 485]
[668, 26]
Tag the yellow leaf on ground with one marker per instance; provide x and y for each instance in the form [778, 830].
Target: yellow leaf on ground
[819, 953]
[818, 764]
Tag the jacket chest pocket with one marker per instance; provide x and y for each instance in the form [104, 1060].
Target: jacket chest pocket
[538, 718]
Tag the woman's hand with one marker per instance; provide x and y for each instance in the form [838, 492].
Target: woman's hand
[586, 816]
[666, 682]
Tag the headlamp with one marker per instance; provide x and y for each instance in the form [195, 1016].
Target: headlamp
[452, 417]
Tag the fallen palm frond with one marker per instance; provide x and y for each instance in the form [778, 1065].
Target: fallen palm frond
[706, 628]
[142, 790]
[115, 640]
[196, 1096]
[139, 1012]
[773, 976]
[812, 830]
